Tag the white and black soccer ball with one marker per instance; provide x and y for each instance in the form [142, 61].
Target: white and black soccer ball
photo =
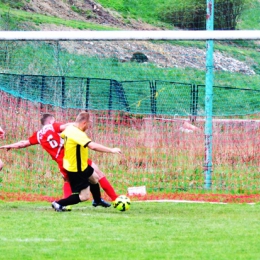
[122, 203]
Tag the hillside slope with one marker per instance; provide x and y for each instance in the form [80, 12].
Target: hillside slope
[87, 10]
[163, 54]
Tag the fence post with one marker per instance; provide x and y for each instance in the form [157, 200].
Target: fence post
[119, 89]
[110, 100]
[194, 102]
[62, 91]
[87, 94]
[153, 97]
[42, 91]
[21, 89]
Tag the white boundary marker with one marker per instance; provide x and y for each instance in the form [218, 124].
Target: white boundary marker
[193, 201]
[129, 35]
[140, 190]
[183, 201]
[36, 239]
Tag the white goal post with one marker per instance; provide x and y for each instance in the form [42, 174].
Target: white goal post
[128, 35]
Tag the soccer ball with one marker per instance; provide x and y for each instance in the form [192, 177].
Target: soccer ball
[122, 203]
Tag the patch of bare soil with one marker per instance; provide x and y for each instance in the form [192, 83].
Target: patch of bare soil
[84, 10]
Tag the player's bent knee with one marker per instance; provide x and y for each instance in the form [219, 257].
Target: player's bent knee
[84, 197]
[85, 194]
[100, 174]
[97, 170]
[93, 179]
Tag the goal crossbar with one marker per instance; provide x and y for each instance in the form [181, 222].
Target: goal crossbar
[128, 35]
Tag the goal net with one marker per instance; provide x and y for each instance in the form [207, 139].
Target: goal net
[146, 96]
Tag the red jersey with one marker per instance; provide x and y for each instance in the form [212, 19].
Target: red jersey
[48, 137]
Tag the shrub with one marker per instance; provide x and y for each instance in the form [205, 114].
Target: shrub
[18, 4]
[191, 14]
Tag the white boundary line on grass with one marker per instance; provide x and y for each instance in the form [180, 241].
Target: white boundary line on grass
[175, 201]
[36, 240]
[192, 201]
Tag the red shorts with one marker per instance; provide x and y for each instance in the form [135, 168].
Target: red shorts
[63, 171]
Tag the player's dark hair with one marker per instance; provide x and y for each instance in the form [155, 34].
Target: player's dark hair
[45, 117]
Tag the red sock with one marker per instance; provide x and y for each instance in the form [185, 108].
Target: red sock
[106, 186]
[66, 189]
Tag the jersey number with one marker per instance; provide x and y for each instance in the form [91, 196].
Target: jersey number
[53, 143]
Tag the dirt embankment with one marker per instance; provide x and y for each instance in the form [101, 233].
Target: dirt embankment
[84, 10]
[164, 55]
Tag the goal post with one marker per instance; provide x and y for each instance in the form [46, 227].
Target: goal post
[128, 35]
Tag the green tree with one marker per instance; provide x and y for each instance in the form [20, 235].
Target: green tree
[191, 14]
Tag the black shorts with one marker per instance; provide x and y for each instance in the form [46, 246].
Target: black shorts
[79, 180]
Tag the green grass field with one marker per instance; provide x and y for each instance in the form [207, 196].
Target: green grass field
[147, 231]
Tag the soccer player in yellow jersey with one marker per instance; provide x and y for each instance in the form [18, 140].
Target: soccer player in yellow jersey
[75, 162]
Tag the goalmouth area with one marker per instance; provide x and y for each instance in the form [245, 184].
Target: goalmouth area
[154, 114]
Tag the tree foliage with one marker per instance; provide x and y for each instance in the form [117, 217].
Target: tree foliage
[191, 14]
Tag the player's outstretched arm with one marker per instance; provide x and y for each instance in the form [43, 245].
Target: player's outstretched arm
[103, 149]
[63, 127]
[18, 145]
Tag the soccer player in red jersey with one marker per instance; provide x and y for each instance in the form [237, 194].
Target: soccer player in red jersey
[49, 138]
